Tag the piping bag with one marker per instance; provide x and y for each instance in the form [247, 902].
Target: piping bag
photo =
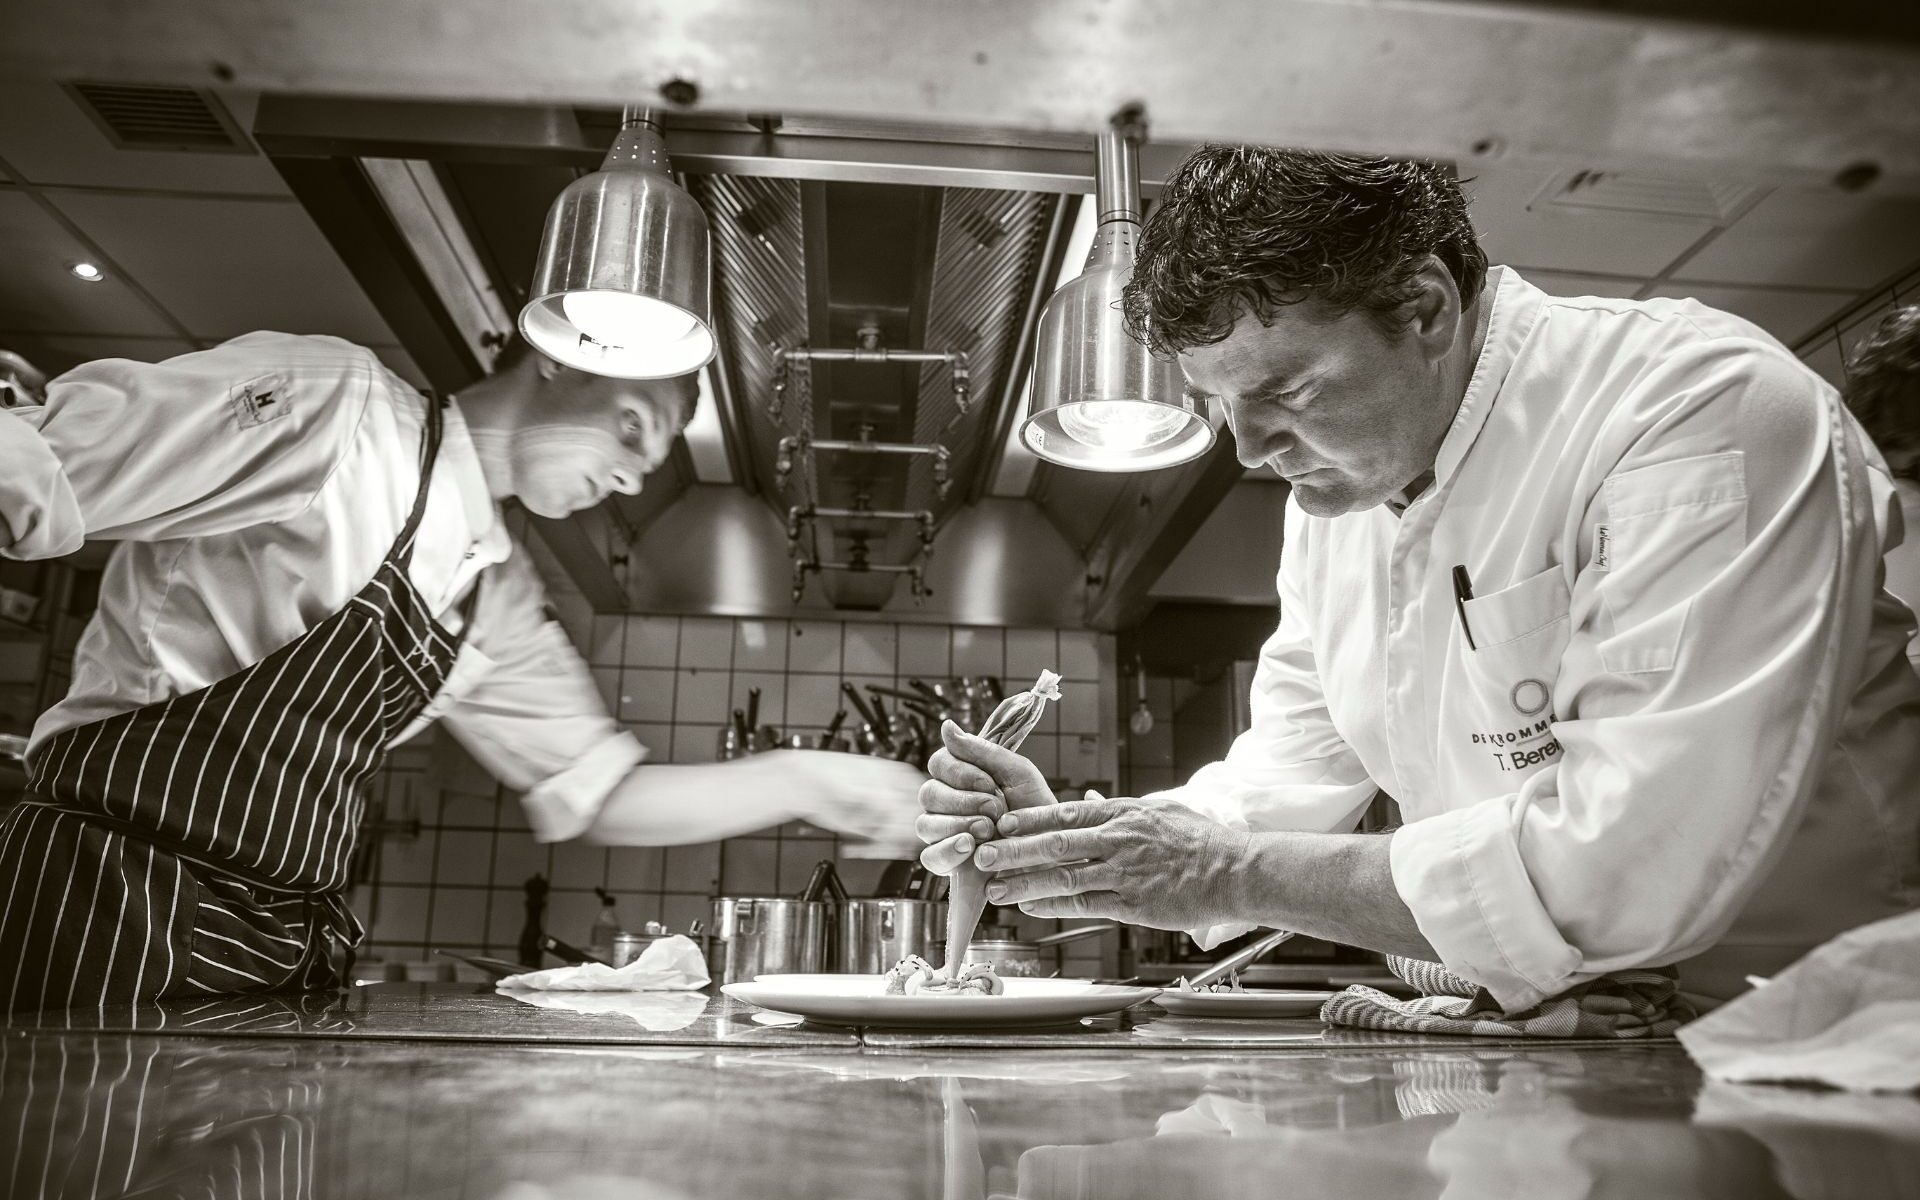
[1009, 726]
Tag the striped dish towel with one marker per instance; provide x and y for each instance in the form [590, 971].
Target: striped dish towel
[1626, 1004]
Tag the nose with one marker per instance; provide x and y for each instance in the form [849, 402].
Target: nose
[626, 480]
[1257, 437]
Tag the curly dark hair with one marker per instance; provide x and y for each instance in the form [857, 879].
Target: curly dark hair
[1251, 229]
[1883, 379]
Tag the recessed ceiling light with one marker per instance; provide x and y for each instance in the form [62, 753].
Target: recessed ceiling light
[87, 271]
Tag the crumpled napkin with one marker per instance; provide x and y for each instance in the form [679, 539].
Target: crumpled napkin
[671, 964]
[1848, 1014]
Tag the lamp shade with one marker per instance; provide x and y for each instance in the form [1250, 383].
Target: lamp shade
[1101, 400]
[623, 283]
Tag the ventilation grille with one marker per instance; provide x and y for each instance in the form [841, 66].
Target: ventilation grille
[1646, 195]
[160, 118]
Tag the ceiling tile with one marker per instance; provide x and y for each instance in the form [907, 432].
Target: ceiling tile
[226, 267]
[58, 352]
[1786, 314]
[1558, 283]
[38, 293]
[49, 140]
[1814, 237]
[1825, 358]
[1518, 232]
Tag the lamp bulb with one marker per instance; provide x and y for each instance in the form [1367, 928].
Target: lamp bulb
[622, 319]
[1141, 722]
[1120, 425]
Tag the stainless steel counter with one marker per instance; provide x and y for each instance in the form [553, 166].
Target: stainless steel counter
[358, 1107]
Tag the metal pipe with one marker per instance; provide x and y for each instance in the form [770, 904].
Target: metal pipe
[1116, 177]
[880, 447]
[827, 354]
[1243, 957]
[878, 514]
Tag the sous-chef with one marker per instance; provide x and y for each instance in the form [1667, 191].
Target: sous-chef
[1590, 587]
[312, 567]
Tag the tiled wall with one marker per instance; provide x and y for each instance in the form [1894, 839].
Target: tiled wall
[456, 883]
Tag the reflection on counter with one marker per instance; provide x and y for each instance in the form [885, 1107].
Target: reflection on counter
[100, 1116]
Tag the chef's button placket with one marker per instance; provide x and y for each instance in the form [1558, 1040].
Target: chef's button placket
[1407, 741]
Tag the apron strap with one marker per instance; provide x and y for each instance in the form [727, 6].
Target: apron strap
[402, 552]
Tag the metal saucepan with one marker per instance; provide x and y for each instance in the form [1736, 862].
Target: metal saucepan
[875, 934]
[1014, 958]
[766, 935]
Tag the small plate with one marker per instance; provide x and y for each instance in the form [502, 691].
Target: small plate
[863, 1000]
[1242, 1004]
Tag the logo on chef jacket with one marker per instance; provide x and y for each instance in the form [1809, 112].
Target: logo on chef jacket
[261, 400]
[1530, 744]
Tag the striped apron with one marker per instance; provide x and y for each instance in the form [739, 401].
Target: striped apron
[201, 845]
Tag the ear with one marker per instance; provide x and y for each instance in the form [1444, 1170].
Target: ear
[1436, 310]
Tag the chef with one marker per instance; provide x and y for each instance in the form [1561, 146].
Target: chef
[1588, 586]
[312, 567]
[1883, 391]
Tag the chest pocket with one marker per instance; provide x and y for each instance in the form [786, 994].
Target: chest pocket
[1520, 633]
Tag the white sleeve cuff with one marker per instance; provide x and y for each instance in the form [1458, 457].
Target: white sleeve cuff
[39, 516]
[1461, 875]
[564, 806]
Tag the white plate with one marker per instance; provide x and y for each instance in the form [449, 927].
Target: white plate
[1242, 1004]
[863, 1000]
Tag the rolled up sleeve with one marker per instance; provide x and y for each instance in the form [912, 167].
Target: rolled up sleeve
[1291, 769]
[1707, 670]
[39, 517]
[534, 718]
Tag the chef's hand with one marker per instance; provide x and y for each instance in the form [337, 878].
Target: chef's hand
[1145, 861]
[874, 801]
[975, 783]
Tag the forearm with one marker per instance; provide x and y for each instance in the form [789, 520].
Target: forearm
[1333, 886]
[671, 804]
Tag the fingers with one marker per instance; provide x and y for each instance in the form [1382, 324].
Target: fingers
[1039, 850]
[1074, 814]
[1006, 767]
[931, 828]
[937, 797]
[959, 773]
[1028, 886]
[1109, 905]
[942, 857]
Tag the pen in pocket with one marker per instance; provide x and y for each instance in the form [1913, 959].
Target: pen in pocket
[1463, 592]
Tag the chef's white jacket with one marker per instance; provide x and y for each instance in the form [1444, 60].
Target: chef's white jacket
[242, 522]
[1685, 732]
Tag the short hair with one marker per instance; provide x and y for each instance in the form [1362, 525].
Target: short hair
[1883, 378]
[1250, 229]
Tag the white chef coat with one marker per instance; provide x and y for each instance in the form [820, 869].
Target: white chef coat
[253, 489]
[1688, 733]
[1903, 562]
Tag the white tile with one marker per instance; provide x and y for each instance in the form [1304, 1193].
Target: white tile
[812, 700]
[814, 646]
[569, 917]
[506, 916]
[608, 638]
[695, 743]
[516, 857]
[760, 645]
[706, 642]
[579, 865]
[1078, 709]
[408, 859]
[925, 653]
[646, 694]
[797, 860]
[681, 911]
[1079, 758]
[751, 867]
[870, 648]
[1079, 654]
[1043, 751]
[773, 695]
[635, 869]
[459, 917]
[980, 651]
[401, 915]
[1031, 651]
[652, 641]
[701, 697]
[693, 868]
[466, 856]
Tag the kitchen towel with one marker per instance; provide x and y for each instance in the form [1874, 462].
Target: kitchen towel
[670, 964]
[1847, 1015]
[1626, 1004]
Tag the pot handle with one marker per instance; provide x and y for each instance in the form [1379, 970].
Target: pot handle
[1075, 934]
